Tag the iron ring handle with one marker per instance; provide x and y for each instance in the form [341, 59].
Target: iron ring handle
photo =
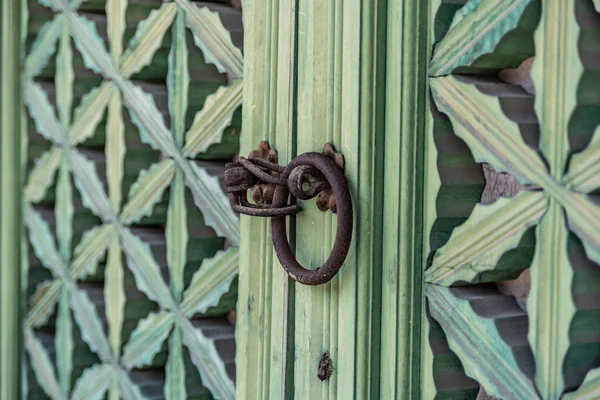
[336, 179]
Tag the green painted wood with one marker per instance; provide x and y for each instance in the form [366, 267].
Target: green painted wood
[556, 72]
[476, 30]
[556, 301]
[327, 111]
[478, 244]
[372, 119]
[406, 67]
[475, 331]
[87, 148]
[583, 175]
[265, 324]
[550, 305]
[479, 120]
[11, 331]
[590, 389]
[332, 90]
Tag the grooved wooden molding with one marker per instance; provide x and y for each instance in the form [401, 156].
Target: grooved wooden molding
[116, 289]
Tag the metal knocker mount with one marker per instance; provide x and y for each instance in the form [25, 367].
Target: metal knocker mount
[309, 175]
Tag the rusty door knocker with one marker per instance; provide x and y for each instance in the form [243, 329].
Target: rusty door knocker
[307, 176]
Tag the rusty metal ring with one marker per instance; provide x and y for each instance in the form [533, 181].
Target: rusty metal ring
[317, 182]
[336, 179]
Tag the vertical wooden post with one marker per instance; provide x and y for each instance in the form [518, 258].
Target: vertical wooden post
[407, 44]
[10, 201]
[264, 357]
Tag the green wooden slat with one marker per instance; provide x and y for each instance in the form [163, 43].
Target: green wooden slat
[491, 136]
[89, 113]
[584, 168]
[87, 318]
[42, 365]
[42, 175]
[147, 191]
[210, 122]
[476, 30]
[64, 77]
[129, 390]
[214, 204]
[177, 236]
[488, 355]
[116, 26]
[114, 295]
[477, 245]
[550, 303]
[42, 241]
[44, 46]
[175, 369]
[41, 110]
[64, 344]
[148, 37]
[147, 339]
[178, 78]
[64, 210]
[145, 269]
[213, 39]
[93, 383]
[322, 312]
[115, 151]
[43, 303]
[205, 357]
[264, 366]
[86, 179]
[401, 275]
[589, 390]
[210, 282]
[556, 72]
[90, 251]
[148, 119]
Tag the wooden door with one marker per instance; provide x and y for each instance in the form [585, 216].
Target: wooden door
[470, 131]
[130, 258]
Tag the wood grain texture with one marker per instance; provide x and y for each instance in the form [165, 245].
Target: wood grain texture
[91, 182]
[328, 101]
[555, 303]
[333, 88]
[401, 276]
[556, 73]
[584, 174]
[478, 244]
[11, 332]
[476, 30]
[265, 321]
[550, 303]
[478, 119]
[476, 322]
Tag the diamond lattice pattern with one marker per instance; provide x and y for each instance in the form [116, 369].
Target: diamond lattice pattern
[77, 176]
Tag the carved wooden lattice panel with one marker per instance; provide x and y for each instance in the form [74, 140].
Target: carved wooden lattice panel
[543, 132]
[127, 239]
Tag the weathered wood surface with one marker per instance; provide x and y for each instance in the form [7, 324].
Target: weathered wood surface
[548, 108]
[114, 224]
